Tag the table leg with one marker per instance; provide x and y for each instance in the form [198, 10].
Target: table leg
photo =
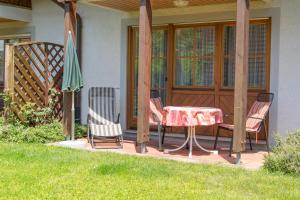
[195, 139]
[189, 137]
[159, 137]
[190, 130]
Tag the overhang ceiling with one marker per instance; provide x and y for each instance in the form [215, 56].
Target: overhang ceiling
[133, 5]
[19, 3]
[3, 20]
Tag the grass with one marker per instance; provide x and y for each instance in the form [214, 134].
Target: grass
[40, 172]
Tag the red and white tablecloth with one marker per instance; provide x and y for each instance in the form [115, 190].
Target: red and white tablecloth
[192, 116]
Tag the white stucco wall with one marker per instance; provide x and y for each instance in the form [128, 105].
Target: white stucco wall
[47, 21]
[289, 70]
[101, 52]
[15, 13]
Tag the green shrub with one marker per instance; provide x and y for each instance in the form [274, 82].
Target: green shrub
[10, 107]
[285, 156]
[30, 114]
[32, 123]
[80, 131]
[39, 134]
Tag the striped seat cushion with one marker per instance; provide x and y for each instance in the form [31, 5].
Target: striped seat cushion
[231, 127]
[107, 130]
[102, 112]
[255, 117]
[257, 113]
[156, 111]
[102, 105]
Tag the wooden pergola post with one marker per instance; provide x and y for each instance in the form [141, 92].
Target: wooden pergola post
[9, 68]
[144, 74]
[241, 77]
[70, 25]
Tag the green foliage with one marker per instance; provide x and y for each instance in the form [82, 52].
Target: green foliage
[33, 123]
[285, 156]
[80, 131]
[30, 114]
[10, 107]
[23, 134]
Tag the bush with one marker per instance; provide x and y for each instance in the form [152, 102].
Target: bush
[80, 131]
[33, 123]
[30, 114]
[285, 156]
[39, 134]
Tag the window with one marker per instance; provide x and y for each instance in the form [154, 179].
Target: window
[195, 52]
[257, 56]
[159, 64]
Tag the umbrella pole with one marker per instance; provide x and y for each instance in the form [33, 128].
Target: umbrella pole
[73, 118]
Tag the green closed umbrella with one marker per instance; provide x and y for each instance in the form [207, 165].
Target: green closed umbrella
[72, 79]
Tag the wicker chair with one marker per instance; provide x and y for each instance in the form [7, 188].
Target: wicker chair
[103, 123]
[256, 120]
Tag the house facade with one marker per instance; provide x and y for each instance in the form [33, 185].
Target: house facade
[192, 55]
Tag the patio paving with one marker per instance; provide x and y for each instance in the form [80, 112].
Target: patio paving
[252, 160]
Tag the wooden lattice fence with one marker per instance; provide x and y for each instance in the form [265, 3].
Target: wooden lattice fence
[32, 70]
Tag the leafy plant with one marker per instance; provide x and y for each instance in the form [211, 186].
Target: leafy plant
[80, 131]
[10, 107]
[30, 114]
[286, 155]
[23, 134]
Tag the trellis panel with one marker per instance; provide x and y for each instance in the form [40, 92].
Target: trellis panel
[37, 67]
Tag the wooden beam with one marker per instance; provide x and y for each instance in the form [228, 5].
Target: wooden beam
[70, 25]
[145, 57]
[241, 76]
[9, 68]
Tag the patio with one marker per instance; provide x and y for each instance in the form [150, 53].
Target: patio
[238, 100]
[145, 8]
[252, 160]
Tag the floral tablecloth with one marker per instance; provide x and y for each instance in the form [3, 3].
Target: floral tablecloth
[192, 116]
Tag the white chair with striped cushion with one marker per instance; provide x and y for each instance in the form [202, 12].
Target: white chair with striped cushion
[256, 120]
[103, 122]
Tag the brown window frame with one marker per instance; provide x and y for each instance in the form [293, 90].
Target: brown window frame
[179, 26]
[267, 54]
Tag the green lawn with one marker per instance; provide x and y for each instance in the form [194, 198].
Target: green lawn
[40, 172]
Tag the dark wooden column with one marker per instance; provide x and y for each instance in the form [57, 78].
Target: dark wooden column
[145, 57]
[70, 25]
[241, 77]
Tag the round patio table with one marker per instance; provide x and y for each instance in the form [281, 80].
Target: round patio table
[190, 117]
